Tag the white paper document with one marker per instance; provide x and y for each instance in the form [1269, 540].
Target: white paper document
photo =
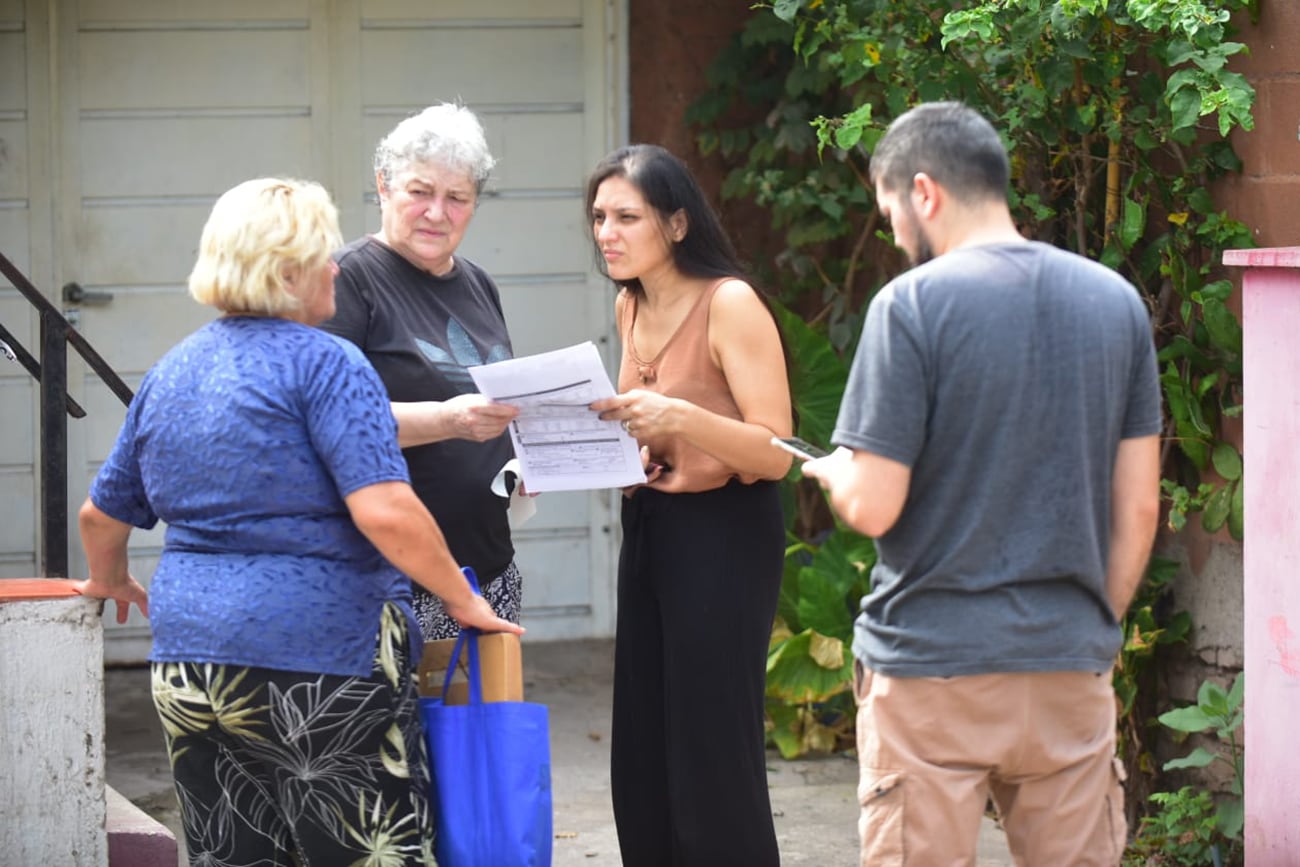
[560, 443]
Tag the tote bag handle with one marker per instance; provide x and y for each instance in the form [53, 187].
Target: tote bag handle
[473, 673]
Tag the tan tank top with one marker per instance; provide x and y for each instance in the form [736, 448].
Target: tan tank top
[683, 369]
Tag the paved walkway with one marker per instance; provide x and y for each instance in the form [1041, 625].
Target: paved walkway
[813, 800]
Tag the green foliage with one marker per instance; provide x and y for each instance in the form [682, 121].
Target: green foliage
[1145, 632]
[810, 664]
[1221, 712]
[1179, 834]
[1188, 827]
[1116, 115]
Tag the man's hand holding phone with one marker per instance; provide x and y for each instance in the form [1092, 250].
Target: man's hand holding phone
[800, 448]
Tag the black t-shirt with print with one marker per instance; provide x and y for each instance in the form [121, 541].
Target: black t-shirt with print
[421, 332]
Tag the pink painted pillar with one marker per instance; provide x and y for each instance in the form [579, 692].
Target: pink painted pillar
[1271, 323]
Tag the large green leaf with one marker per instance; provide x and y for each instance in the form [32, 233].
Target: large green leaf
[1237, 512]
[1184, 719]
[1197, 758]
[1217, 509]
[794, 674]
[1227, 461]
[1133, 224]
[817, 376]
[1231, 817]
[846, 556]
[785, 728]
[1222, 324]
[822, 604]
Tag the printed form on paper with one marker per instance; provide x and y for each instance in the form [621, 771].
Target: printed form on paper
[561, 444]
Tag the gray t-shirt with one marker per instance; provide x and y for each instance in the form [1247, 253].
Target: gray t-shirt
[421, 332]
[1004, 376]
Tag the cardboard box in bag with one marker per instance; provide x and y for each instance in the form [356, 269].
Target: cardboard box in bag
[499, 661]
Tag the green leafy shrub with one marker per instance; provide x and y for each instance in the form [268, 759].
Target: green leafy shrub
[1188, 826]
[1179, 834]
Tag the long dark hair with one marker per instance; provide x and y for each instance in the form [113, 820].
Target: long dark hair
[668, 186]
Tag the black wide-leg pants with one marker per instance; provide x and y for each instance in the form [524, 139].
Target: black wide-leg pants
[698, 580]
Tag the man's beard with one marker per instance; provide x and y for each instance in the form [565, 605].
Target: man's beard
[924, 251]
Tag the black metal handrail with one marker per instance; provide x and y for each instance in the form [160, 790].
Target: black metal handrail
[52, 373]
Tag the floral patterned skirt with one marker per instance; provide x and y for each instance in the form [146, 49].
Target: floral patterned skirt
[289, 768]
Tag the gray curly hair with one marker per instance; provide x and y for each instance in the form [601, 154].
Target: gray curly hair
[447, 134]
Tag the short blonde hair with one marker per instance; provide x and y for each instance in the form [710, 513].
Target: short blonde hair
[260, 236]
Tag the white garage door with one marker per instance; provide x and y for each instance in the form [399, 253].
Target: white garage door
[108, 169]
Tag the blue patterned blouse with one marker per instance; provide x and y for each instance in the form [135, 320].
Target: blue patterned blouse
[244, 439]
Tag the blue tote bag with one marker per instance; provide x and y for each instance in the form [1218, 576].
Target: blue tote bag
[491, 764]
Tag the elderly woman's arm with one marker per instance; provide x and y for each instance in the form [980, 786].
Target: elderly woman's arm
[465, 417]
[104, 540]
[398, 524]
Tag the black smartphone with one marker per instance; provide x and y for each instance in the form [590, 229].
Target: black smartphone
[800, 448]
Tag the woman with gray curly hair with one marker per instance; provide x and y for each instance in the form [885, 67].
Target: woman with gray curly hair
[422, 314]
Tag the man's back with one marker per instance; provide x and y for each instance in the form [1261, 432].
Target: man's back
[1004, 376]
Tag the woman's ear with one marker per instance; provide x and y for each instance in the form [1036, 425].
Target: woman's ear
[678, 225]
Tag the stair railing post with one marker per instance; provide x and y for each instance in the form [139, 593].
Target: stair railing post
[54, 446]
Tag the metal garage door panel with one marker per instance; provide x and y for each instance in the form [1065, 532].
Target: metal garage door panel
[18, 445]
[527, 236]
[204, 70]
[170, 10]
[559, 590]
[167, 104]
[545, 66]
[140, 330]
[13, 162]
[18, 530]
[471, 9]
[17, 392]
[551, 581]
[538, 151]
[127, 157]
[14, 243]
[13, 69]
[104, 415]
[534, 151]
[143, 245]
[562, 306]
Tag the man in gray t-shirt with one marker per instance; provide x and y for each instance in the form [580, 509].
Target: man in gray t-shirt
[1000, 439]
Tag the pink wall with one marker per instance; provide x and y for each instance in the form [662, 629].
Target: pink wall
[1271, 314]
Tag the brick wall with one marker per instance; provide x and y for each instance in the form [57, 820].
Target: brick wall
[1266, 195]
[670, 45]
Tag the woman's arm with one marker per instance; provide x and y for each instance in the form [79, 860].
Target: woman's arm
[747, 347]
[397, 523]
[465, 417]
[104, 540]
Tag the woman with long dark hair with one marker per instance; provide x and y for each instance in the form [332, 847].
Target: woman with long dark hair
[703, 388]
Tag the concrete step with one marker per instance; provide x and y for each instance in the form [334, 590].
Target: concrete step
[135, 839]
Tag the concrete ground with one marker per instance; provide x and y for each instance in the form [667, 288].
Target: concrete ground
[813, 801]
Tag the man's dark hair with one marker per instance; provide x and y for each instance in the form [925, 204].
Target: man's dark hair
[951, 143]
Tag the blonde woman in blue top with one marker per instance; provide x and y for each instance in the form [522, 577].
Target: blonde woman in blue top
[284, 637]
